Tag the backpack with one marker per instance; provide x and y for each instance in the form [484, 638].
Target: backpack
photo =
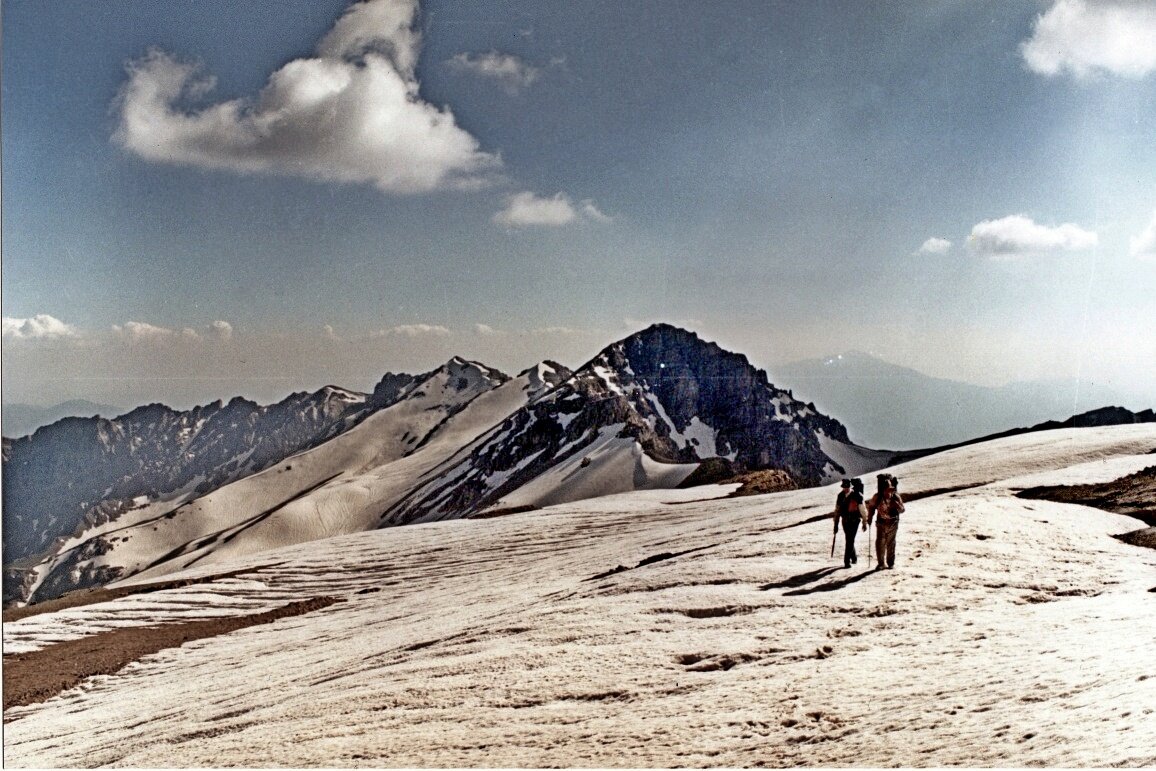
[885, 510]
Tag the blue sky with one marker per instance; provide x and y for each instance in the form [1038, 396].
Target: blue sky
[209, 199]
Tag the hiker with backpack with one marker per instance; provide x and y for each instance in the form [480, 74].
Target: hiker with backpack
[849, 513]
[887, 504]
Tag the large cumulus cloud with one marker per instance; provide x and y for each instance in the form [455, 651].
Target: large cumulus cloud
[351, 113]
[38, 327]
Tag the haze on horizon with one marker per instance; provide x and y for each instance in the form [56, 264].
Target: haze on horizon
[209, 199]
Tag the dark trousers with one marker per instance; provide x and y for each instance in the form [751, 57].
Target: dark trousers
[850, 528]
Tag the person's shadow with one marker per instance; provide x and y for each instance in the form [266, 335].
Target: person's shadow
[800, 580]
[832, 586]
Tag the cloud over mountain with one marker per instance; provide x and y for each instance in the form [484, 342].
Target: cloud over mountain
[352, 113]
[1020, 236]
[1118, 38]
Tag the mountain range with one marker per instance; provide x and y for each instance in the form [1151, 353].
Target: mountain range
[89, 501]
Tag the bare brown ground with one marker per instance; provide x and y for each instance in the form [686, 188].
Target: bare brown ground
[762, 482]
[39, 675]
[1133, 495]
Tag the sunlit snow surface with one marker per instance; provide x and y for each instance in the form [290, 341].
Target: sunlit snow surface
[1012, 632]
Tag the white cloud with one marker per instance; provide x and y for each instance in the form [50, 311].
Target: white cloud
[350, 114]
[485, 330]
[524, 209]
[511, 73]
[1114, 36]
[527, 209]
[593, 212]
[1019, 236]
[140, 331]
[1143, 246]
[222, 330]
[380, 27]
[39, 327]
[416, 330]
[935, 246]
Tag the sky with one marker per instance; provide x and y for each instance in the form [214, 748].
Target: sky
[210, 199]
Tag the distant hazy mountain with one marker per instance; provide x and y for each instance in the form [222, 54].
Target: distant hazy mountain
[22, 419]
[887, 406]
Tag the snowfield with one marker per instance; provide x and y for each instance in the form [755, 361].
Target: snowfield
[1011, 633]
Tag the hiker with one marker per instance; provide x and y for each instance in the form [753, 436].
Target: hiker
[888, 505]
[849, 513]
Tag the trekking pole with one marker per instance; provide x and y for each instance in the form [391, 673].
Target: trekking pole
[833, 537]
[869, 552]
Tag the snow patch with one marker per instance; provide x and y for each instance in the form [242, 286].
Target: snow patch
[610, 464]
[609, 377]
[854, 460]
[699, 436]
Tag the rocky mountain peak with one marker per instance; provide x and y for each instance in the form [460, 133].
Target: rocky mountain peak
[687, 388]
[671, 396]
[543, 377]
[472, 371]
[390, 389]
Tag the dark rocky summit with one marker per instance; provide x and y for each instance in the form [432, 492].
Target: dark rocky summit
[680, 398]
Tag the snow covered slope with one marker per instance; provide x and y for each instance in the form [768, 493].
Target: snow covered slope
[341, 486]
[657, 629]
